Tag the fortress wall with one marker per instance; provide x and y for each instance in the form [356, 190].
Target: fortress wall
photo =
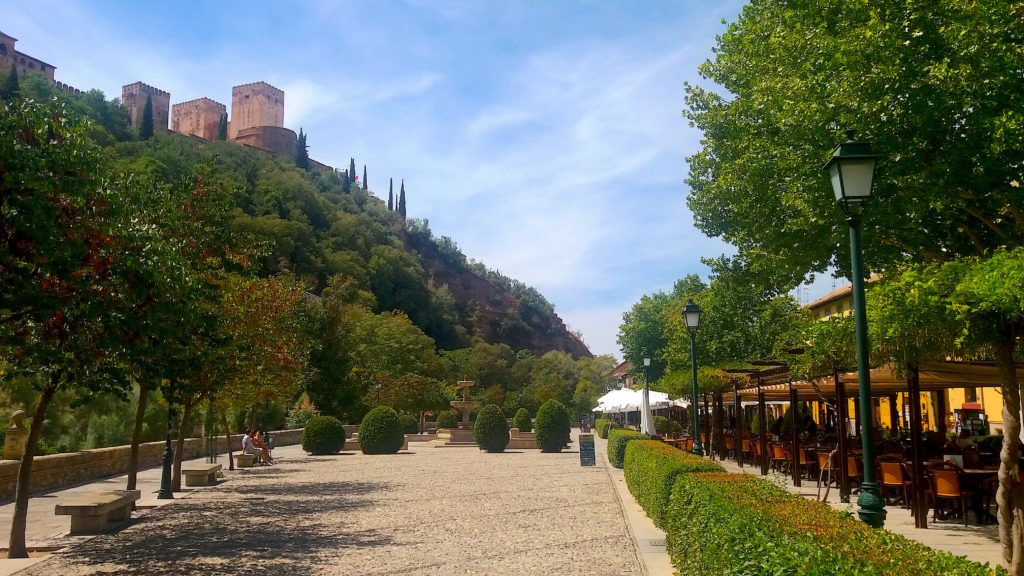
[200, 117]
[133, 98]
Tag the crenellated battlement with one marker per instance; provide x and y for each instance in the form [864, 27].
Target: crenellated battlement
[143, 88]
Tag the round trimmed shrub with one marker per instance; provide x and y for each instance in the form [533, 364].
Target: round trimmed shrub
[381, 431]
[552, 426]
[676, 428]
[491, 429]
[323, 435]
[446, 419]
[410, 424]
[522, 420]
[661, 425]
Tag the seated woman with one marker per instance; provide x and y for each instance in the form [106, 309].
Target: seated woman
[264, 448]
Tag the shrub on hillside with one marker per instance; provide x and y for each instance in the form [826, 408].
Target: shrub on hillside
[651, 468]
[552, 430]
[323, 435]
[447, 419]
[617, 440]
[743, 524]
[381, 431]
[522, 420]
[491, 429]
[410, 424]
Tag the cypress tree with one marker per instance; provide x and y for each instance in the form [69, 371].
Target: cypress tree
[302, 152]
[146, 126]
[346, 182]
[10, 86]
[401, 200]
[351, 170]
[222, 127]
[364, 177]
[391, 194]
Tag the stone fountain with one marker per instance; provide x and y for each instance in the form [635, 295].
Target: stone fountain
[463, 435]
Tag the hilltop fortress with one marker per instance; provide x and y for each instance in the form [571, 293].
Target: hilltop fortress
[257, 109]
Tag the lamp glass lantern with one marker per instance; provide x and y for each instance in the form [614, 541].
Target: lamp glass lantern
[691, 315]
[852, 170]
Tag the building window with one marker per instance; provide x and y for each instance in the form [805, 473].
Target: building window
[32, 65]
[42, 67]
[3, 48]
[839, 309]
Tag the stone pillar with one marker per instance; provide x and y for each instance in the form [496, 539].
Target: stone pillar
[17, 437]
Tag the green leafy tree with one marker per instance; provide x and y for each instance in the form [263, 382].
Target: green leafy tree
[302, 152]
[10, 87]
[641, 335]
[63, 269]
[146, 124]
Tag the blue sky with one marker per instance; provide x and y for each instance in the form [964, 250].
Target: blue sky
[545, 137]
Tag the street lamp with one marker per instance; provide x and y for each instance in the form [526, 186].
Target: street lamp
[165, 475]
[852, 170]
[691, 315]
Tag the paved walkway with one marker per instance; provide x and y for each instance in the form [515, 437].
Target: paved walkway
[425, 511]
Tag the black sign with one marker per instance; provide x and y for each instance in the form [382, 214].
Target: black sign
[587, 450]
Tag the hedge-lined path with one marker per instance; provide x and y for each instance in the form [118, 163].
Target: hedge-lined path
[978, 543]
[425, 511]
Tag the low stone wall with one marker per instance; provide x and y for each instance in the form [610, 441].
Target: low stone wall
[63, 470]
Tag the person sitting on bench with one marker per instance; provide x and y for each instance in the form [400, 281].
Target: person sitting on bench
[257, 440]
[249, 447]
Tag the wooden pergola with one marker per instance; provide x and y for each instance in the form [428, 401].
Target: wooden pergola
[772, 381]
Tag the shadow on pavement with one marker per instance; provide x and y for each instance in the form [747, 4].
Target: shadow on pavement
[256, 530]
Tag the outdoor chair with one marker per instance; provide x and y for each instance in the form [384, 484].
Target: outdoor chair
[828, 469]
[747, 450]
[894, 479]
[779, 459]
[853, 473]
[947, 483]
[809, 461]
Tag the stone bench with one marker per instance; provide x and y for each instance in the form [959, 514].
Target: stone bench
[201, 474]
[99, 512]
[243, 460]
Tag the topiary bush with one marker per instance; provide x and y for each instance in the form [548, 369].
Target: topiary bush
[381, 431]
[675, 428]
[601, 427]
[651, 468]
[617, 440]
[410, 424]
[491, 429]
[522, 420]
[661, 425]
[743, 524]
[552, 426]
[447, 419]
[323, 435]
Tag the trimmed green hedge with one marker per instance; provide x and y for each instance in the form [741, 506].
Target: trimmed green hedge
[323, 435]
[381, 431]
[617, 440]
[601, 425]
[447, 419]
[740, 524]
[491, 429]
[552, 426]
[651, 470]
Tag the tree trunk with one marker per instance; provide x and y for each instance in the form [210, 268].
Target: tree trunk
[16, 545]
[179, 449]
[1010, 497]
[227, 436]
[133, 455]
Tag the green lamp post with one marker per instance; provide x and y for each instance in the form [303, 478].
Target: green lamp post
[691, 315]
[852, 170]
[165, 474]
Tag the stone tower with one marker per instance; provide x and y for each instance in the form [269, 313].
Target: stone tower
[200, 117]
[133, 98]
[255, 105]
[24, 63]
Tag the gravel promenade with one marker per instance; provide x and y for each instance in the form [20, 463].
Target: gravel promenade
[426, 511]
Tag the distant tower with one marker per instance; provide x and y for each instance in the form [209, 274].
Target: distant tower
[255, 105]
[200, 117]
[133, 99]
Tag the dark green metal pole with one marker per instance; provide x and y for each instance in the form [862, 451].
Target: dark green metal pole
[165, 476]
[871, 506]
[698, 448]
